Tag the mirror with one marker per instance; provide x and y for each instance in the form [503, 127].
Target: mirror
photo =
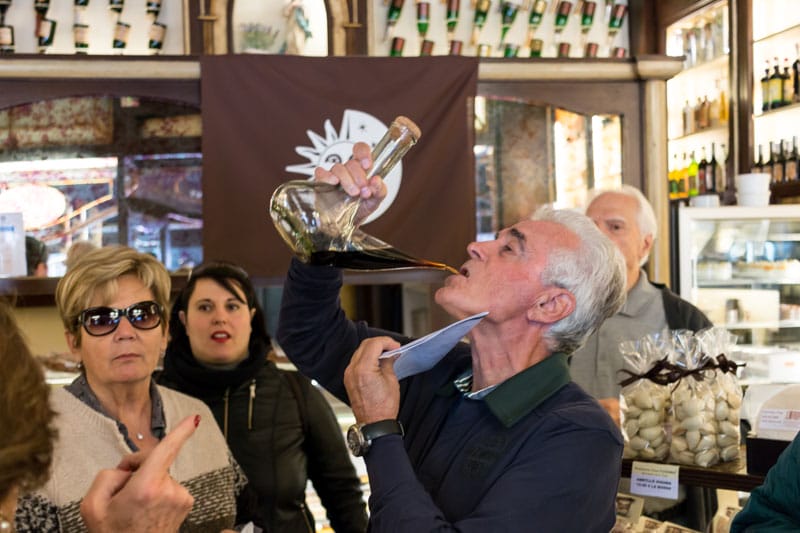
[528, 154]
[108, 170]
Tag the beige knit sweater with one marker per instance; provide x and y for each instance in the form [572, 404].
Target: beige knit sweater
[88, 442]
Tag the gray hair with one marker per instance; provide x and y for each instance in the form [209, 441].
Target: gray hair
[594, 273]
[646, 217]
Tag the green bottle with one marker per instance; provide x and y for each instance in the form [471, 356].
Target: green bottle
[453, 7]
[693, 175]
[562, 15]
[508, 11]
[423, 18]
[481, 12]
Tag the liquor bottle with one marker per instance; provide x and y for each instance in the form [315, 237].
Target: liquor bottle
[688, 119]
[6, 31]
[587, 16]
[535, 19]
[321, 223]
[696, 111]
[713, 109]
[396, 49]
[724, 112]
[155, 40]
[6, 38]
[674, 179]
[766, 95]
[479, 19]
[796, 73]
[536, 46]
[423, 18]
[562, 15]
[453, 8]
[4, 5]
[426, 48]
[45, 34]
[713, 184]
[80, 35]
[758, 164]
[121, 31]
[510, 50]
[705, 113]
[508, 12]
[618, 12]
[691, 174]
[776, 86]
[683, 185]
[41, 7]
[775, 164]
[787, 88]
[153, 8]
[701, 173]
[395, 7]
[792, 166]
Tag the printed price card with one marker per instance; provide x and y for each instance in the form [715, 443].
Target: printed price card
[654, 479]
[783, 419]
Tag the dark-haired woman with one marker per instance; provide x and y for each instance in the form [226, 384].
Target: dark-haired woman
[280, 429]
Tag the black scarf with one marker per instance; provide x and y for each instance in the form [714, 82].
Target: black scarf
[183, 373]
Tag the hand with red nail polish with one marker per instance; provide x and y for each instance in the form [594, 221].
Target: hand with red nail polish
[139, 495]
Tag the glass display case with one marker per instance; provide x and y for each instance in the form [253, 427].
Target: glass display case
[741, 266]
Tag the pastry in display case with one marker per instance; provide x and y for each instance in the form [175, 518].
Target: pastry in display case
[741, 267]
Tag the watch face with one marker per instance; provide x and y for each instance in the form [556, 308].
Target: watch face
[355, 440]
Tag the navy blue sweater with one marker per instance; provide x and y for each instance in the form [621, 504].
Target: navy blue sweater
[535, 454]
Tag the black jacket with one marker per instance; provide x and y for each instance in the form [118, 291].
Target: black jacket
[680, 313]
[280, 440]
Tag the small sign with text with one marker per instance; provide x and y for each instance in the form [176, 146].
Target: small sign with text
[653, 479]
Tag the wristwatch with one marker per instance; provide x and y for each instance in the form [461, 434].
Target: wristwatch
[360, 436]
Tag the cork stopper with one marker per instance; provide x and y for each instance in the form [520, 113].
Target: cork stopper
[410, 125]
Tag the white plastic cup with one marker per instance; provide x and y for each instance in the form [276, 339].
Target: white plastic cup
[753, 183]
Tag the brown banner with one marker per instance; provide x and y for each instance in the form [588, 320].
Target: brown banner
[270, 119]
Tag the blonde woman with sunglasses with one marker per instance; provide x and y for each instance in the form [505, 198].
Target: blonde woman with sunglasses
[113, 304]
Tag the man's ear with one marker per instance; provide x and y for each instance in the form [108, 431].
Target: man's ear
[647, 245]
[552, 305]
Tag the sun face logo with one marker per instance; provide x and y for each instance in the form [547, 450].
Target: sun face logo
[337, 147]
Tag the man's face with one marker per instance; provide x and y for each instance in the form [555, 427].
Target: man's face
[615, 214]
[503, 276]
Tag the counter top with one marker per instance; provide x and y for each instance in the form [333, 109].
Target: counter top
[731, 475]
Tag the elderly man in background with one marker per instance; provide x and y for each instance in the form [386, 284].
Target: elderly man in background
[627, 218]
[494, 437]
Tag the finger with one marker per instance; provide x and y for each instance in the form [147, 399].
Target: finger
[162, 456]
[105, 485]
[370, 350]
[325, 176]
[132, 461]
[347, 177]
[362, 153]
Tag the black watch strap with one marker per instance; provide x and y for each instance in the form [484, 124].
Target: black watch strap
[381, 429]
[360, 436]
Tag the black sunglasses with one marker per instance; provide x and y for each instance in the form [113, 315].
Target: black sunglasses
[99, 321]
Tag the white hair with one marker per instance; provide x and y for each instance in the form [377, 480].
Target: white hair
[594, 273]
[645, 216]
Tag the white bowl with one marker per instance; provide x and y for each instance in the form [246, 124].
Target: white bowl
[753, 183]
[704, 200]
[753, 199]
